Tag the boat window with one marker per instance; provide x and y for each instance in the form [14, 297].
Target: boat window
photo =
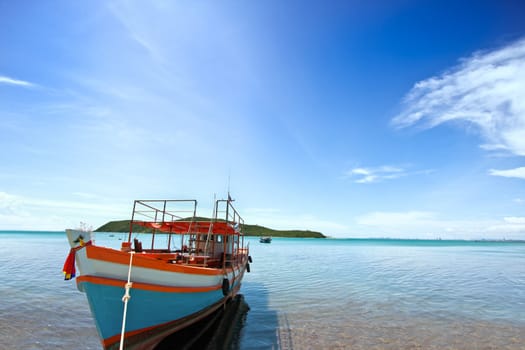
[219, 239]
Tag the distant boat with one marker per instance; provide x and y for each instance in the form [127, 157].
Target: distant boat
[265, 239]
[192, 268]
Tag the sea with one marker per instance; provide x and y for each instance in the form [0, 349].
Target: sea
[302, 294]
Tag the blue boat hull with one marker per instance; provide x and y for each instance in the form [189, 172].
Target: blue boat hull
[149, 312]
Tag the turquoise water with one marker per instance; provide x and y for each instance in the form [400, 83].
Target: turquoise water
[303, 294]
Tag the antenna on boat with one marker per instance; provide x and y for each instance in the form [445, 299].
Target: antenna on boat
[214, 213]
[229, 179]
[229, 196]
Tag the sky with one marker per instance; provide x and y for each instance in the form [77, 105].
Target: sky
[402, 119]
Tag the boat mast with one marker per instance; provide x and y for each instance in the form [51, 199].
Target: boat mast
[131, 222]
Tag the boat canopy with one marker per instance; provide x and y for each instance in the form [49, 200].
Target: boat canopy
[179, 217]
[183, 227]
[218, 240]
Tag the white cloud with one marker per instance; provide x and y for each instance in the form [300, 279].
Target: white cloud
[131, 18]
[370, 175]
[8, 203]
[422, 224]
[517, 173]
[261, 211]
[307, 222]
[85, 195]
[492, 147]
[17, 82]
[410, 224]
[510, 228]
[275, 219]
[409, 218]
[486, 90]
[381, 173]
[30, 213]
[515, 220]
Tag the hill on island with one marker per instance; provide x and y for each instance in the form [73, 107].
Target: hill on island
[249, 230]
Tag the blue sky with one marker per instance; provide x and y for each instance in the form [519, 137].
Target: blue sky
[353, 118]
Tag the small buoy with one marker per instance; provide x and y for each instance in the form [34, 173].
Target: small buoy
[225, 286]
[248, 267]
[249, 258]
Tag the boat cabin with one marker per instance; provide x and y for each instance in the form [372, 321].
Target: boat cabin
[175, 234]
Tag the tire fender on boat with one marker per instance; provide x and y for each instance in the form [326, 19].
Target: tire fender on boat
[248, 267]
[249, 258]
[225, 286]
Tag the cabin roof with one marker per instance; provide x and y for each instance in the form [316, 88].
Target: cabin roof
[184, 227]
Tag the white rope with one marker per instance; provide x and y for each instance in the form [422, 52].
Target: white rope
[125, 300]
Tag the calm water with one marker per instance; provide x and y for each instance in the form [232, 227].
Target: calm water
[303, 294]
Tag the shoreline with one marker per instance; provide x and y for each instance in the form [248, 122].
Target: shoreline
[391, 239]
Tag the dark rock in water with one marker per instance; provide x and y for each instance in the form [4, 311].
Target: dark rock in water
[220, 330]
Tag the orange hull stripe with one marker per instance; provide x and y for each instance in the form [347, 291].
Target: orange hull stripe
[145, 286]
[143, 260]
[116, 338]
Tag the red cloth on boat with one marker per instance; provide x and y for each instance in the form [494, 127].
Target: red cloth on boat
[69, 265]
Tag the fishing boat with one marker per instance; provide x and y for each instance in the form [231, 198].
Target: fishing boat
[265, 239]
[190, 268]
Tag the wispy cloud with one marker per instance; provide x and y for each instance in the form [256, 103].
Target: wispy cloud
[277, 219]
[305, 222]
[369, 175]
[16, 82]
[22, 212]
[486, 90]
[395, 218]
[381, 173]
[139, 32]
[512, 227]
[8, 203]
[424, 224]
[516, 173]
[514, 220]
[409, 224]
[85, 195]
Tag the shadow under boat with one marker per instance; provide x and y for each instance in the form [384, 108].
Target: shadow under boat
[220, 330]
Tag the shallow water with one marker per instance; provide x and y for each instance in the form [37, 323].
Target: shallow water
[373, 294]
[303, 294]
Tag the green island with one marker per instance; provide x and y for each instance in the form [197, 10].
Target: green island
[249, 230]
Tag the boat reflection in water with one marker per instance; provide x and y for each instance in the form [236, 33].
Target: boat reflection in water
[220, 330]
